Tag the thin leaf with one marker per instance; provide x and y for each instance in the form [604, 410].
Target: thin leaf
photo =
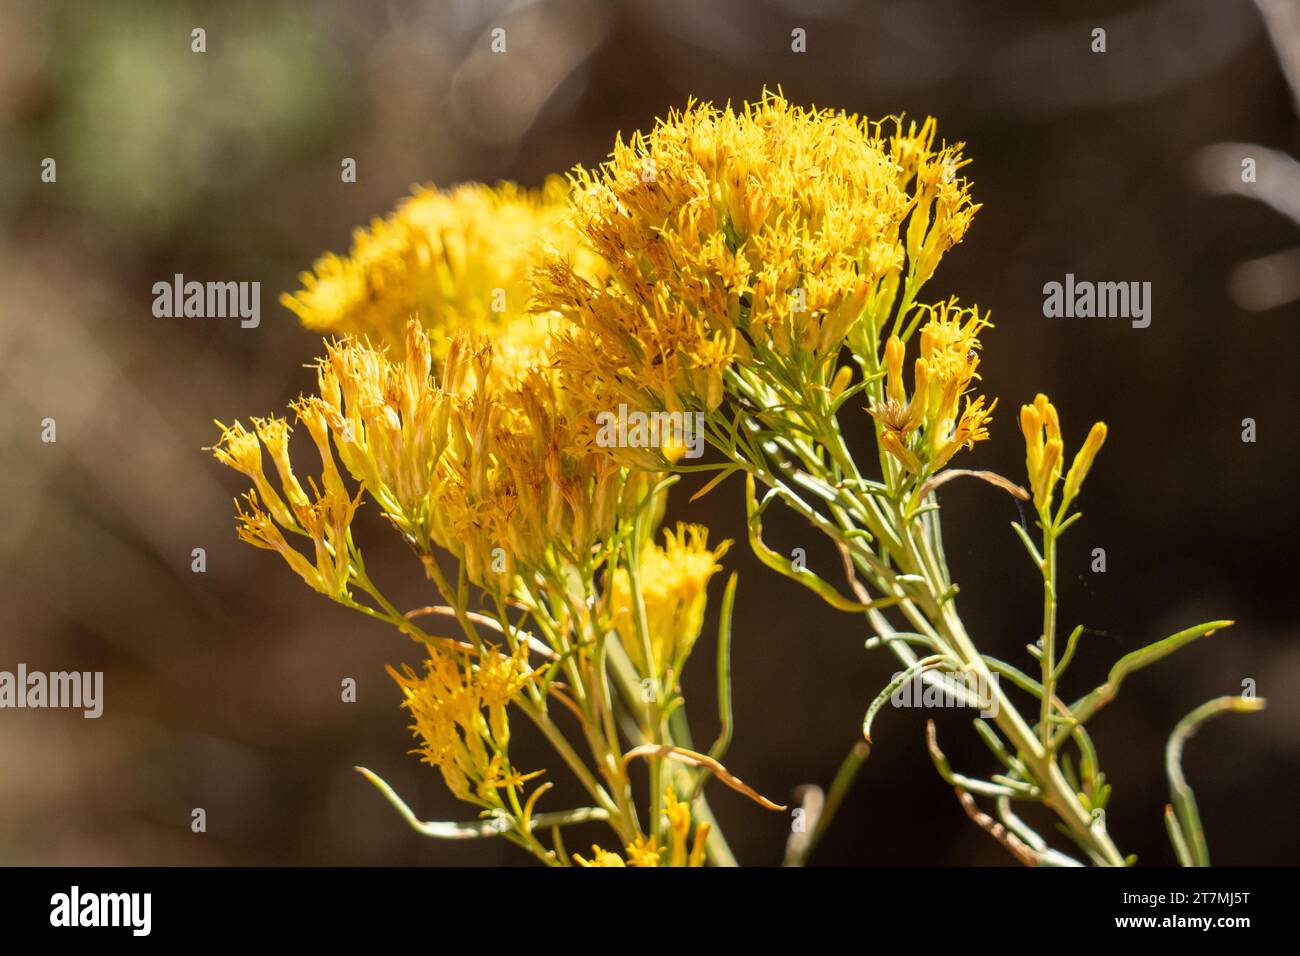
[473, 829]
[992, 477]
[1023, 535]
[693, 759]
[1068, 656]
[716, 480]
[720, 745]
[1085, 707]
[961, 781]
[1181, 850]
[779, 564]
[912, 671]
[1180, 793]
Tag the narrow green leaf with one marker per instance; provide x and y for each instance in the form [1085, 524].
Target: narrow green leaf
[912, 670]
[1029, 545]
[475, 828]
[1086, 706]
[720, 745]
[1180, 792]
[779, 564]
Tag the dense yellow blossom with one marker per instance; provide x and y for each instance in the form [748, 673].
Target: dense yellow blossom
[389, 421]
[674, 579]
[448, 704]
[455, 260]
[925, 430]
[522, 478]
[495, 464]
[758, 236]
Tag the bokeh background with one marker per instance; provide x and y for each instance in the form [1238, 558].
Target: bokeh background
[223, 687]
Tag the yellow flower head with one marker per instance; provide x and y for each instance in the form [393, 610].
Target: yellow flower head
[679, 832]
[600, 858]
[681, 851]
[390, 422]
[927, 429]
[521, 478]
[495, 464]
[324, 516]
[455, 260]
[447, 704]
[240, 449]
[1082, 463]
[674, 580]
[500, 678]
[643, 852]
[1045, 453]
[759, 235]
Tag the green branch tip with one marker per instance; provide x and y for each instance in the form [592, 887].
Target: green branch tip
[1182, 817]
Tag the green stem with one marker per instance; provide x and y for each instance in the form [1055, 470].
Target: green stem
[1049, 630]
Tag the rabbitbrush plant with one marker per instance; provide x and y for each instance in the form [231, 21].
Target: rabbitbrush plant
[761, 268]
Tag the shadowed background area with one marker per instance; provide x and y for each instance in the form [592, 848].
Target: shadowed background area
[223, 688]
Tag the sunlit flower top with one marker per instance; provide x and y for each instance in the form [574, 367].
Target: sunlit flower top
[673, 578]
[491, 464]
[456, 260]
[760, 235]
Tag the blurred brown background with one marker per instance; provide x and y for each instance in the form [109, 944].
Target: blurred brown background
[223, 688]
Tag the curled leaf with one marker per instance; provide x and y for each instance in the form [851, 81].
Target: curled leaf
[693, 759]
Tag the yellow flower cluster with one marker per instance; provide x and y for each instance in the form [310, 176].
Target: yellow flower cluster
[758, 236]
[925, 430]
[1045, 454]
[455, 260]
[522, 479]
[482, 330]
[499, 462]
[390, 421]
[264, 515]
[682, 849]
[448, 704]
[673, 580]
[495, 465]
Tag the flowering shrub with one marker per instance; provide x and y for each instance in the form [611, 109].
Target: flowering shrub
[762, 268]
